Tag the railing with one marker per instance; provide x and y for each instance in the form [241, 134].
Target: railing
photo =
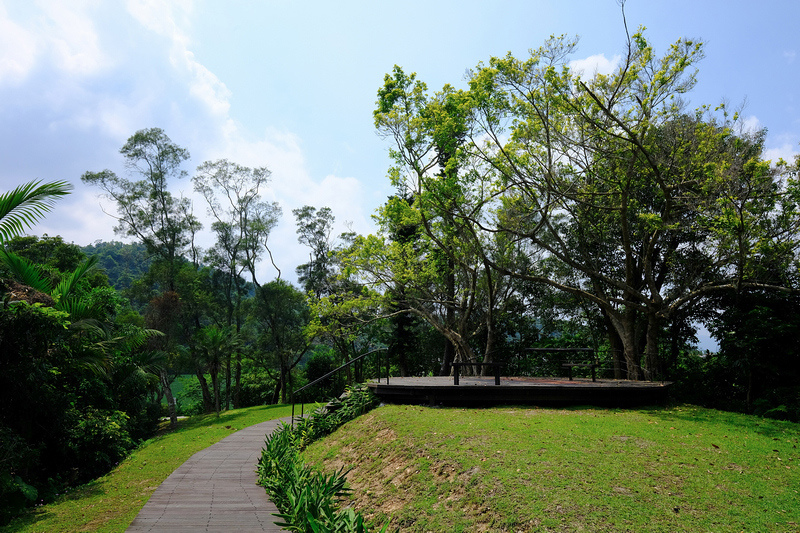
[332, 372]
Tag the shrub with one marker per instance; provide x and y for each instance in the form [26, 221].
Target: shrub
[308, 499]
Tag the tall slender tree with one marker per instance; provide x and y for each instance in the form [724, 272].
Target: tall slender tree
[242, 224]
[146, 208]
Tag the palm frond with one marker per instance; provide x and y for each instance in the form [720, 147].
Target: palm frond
[68, 283]
[26, 272]
[137, 338]
[27, 204]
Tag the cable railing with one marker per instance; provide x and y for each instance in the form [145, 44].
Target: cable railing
[334, 371]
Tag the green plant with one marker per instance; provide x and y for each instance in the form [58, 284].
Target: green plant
[307, 498]
[358, 399]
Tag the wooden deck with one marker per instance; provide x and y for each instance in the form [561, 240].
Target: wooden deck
[546, 392]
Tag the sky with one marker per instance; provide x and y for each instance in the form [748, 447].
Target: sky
[292, 85]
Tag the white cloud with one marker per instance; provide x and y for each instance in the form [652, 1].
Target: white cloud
[18, 50]
[786, 150]
[72, 36]
[789, 55]
[292, 187]
[166, 19]
[751, 124]
[596, 64]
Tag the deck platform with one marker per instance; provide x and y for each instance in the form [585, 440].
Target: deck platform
[479, 391]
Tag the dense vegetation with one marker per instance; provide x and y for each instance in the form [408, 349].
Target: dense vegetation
[536, 207]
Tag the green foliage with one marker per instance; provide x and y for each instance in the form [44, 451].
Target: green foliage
[308, 499]
[110, 503]
[123, 263]
[757, 367]
[147, 209]
[357, 401]
[321, 362]
[26, 204]
[98, 440]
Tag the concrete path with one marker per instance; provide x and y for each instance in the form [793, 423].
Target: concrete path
[215, 490]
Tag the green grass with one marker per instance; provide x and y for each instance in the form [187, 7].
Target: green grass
[110, 503]
[522, 469]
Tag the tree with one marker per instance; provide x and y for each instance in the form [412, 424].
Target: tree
[625, 200]
[242, 224]
[146, 209]
[212, 344]
[282, 313]
[314, 229]
[443, 274]
[243, 221]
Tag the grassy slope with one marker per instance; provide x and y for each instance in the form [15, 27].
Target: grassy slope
[110, 503]
[520, 469]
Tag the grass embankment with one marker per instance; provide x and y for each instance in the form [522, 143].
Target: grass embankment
[521, 469]
[110, 503]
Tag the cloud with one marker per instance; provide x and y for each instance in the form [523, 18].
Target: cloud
[596, 64]
[18, 50]
[109, 72]
[751, 124]
[166, 19]
[72, 37]
[292, 186]
[786, 149]
[789, 55]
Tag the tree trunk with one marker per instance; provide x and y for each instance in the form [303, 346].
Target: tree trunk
[653, 371]
[450, 316]
[487, 356]
[208, 402]
[625, 324]
[614, 343]
[173, 413]
[217, 392]
[282, 384]
[237, 387]
[228, 381]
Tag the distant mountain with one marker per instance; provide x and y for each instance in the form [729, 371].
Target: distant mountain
[123, 263]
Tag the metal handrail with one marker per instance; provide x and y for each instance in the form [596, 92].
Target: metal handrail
[332, 372]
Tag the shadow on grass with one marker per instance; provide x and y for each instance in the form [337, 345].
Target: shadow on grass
[726, 419]
[30, 518]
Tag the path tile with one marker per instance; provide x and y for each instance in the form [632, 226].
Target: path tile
[214, 490]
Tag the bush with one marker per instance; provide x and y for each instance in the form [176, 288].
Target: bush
[99, 440]
[356, 401]
[308, 499]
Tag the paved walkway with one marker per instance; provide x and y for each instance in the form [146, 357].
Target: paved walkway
[215, 490]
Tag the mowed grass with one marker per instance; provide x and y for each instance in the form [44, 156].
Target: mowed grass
[110, 503]
[528, 469]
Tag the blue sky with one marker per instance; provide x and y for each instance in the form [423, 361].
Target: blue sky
[292, 85]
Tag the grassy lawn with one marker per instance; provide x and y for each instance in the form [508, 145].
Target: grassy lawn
[110, 503]
[527, 469]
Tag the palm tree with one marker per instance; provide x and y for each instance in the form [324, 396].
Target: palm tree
[27, 204]
[212, 343]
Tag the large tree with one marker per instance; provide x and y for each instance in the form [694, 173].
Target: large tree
[282, 313]
[442, 274]
[146, 207]
[603, 187]
[621, 197]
